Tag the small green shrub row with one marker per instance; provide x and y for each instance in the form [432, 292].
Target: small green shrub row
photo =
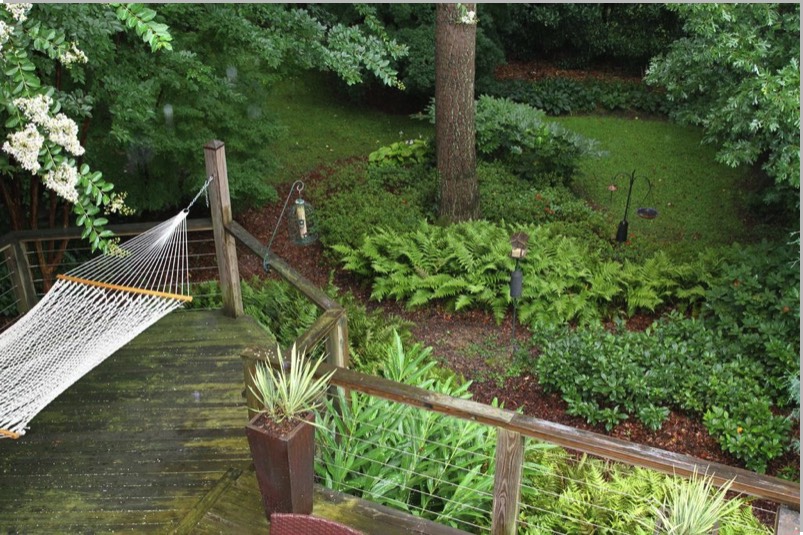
[468, 265]
[562, 96]
[606, 378]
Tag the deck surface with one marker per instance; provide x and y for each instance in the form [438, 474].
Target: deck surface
[137, 442]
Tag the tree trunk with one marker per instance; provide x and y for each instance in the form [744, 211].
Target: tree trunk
[454, 113]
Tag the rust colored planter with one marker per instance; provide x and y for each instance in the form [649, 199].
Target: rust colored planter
[284, 466]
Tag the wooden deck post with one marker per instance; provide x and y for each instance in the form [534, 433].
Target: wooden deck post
[225, 249]
[787, 521]
[507, 482]
[337, 343]
[21, 279]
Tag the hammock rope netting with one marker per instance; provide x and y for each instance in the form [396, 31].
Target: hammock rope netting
[89, 313]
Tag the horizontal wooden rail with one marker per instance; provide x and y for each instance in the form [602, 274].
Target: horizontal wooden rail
[762, 486]
[125, 229]
[304, 285]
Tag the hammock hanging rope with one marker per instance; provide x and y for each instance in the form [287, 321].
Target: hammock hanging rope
[88, 314]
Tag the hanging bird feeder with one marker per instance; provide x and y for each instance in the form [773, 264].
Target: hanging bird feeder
[301, 222]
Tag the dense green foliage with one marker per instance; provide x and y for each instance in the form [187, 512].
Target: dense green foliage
[579, 34]
[678, 363]
[518, 135]
[442, 468]
[358, 198]
[736, 73]
[468, 265]
[411, 459]
[561, 494]
[561, 96]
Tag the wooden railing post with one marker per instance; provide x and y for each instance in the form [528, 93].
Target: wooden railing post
[507, 481]
[225, 249]
[337, 343]
[20, 272]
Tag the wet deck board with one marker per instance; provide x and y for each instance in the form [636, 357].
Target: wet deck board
[137, 442]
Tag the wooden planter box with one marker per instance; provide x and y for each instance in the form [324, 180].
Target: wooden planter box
[284, 466]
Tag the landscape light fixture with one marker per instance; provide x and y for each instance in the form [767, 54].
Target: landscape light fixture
[518, 250]
[644, 213]
[301, 224]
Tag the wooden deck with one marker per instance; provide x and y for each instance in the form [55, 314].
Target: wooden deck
[140, 439]
[153, 441]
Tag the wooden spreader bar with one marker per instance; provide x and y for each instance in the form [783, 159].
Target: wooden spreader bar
[9, 434]
[131, 289]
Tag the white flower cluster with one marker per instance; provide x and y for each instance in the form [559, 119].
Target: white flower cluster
[19, 12]
[63, 181]
[60, 129]
[24, 146]
[72, 55]
[469, 17]
[63, 131]
[117, 205]
[5, 33]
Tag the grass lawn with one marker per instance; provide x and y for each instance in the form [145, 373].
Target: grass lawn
[699, 201]
[322, 127]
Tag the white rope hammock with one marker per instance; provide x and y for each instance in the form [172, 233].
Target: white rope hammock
[88, 314]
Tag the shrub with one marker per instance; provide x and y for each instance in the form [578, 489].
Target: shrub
[753, 299]
[562, 96]
[606, 377]
[358, 199]
[518, 135]
[409, 152]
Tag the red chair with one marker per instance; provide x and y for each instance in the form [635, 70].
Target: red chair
[291, 524]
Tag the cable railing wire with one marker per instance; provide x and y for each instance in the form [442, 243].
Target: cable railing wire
[409, 471]
[403, 505]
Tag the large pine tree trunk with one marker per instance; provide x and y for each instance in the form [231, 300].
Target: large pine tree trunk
[454, 114]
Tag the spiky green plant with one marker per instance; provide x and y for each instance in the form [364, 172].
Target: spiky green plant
[693, 506]
[288, 394]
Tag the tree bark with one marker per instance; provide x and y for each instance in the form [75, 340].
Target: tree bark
[456, 153]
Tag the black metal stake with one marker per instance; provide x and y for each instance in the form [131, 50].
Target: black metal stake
[621, 232]
[516, 285]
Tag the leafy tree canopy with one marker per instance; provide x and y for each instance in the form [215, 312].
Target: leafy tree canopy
[736, 73]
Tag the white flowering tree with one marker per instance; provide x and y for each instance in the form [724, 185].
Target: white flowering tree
[41, 169]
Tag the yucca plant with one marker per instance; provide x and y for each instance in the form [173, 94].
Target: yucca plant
[693, 506]
[282, 434]
[287, 394]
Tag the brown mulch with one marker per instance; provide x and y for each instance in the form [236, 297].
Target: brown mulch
[473, 345]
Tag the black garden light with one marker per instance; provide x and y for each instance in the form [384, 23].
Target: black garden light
[301, 222]
[644, 213]
[518, 250]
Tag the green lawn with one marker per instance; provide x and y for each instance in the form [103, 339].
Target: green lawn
[700, 202]
[322, 127]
